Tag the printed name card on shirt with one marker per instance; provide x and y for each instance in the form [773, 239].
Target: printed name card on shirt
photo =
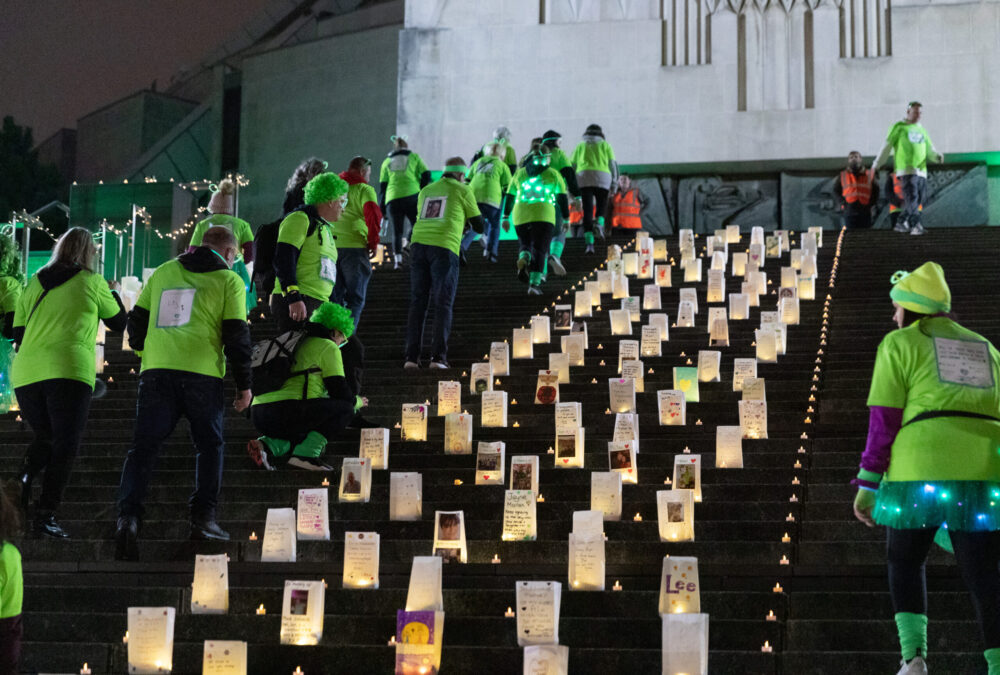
[151, 640]
[419, 638]
[494, 409]
[709, 366]
[964, 362]
[540, 330]
[650, 343]
[619, 286]
[753, 418]
[375, 447]
[622, 460]
[449, 397]
[742, 369]
[686, 380]
[739, 306]
[210, 588]
[680, 591]
[663, 276]
[739, 266]
[302, 611]
[662, 322]
[675, 514]
[621, 392]
[651, 297]
[424, 591]
[627, 428]
[490, 463]
[413, 426]
[753, 389]
[685, 644]
[716, 286]
[631, 262]
[631, 303]
[480, 379]
[633, 369]
[603, 280]
[729, 447]
[449, 536]
[523, 346]
[586, 562]
[500, 358]
[564, 316]
[621, 321]
[538, 612]
[671, 407]
[279, 536]
[458, 434]
[524, 473]
[224, 657]
[605, 495]
[559, 363]
[687, 474]
[355, 481]
[405, 496]
[583, 305]
[361, 555]
[659, 249]
[313, 515]
[767, 351]
[520, 522]
[547, 387]
[573, 345]
[692, 271]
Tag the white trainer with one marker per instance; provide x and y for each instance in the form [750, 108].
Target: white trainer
[916, 666]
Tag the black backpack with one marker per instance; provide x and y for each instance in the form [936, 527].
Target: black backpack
[271, 362]
[265, 241]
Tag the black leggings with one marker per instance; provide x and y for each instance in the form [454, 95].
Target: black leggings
[590, 195]
[399, 210]
[293, 420]
[56, 410]
[978, 557]
[535, 238]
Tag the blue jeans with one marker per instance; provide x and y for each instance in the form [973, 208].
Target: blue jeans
[354, 271]
[164, 396]
[433, 282]
[491, 234]
[914, 191]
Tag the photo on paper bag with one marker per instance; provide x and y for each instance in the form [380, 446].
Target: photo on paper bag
[449, 527]
[352, 486]
[685, 478]
[520, 476]
[622, 459]
[675, 512]
[487, 461]
[565, 447]
[300, 603]
[564, 317]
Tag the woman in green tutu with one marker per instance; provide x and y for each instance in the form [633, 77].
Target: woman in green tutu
[932, 460]
[11, 285]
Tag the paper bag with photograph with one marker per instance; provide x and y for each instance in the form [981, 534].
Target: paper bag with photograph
[480, 379]
[494, 409]
[413, 425]
[361, 551]
[605, 495]
[355, 481]
[687, 474]
[675, 514]
[151, 639]
[524, 473]
[450, 397]
[302, 610]
[686, 380]
[500, 358]
[520, 522]
[728, 447]
[490, 463]
[424, 590]
[569, 449]
[279, 536]
[374, 447]
[685, 644]
[210, 588]
[680, 592]
[671, 407]
[538, 612]
[586, 562]
[540, 329]
[313, 514]
[547, 387]
[458, 434]
[405, 496]
[564, 315]
[449, 536]
[622, 460]
[224, 657]
[621, 392]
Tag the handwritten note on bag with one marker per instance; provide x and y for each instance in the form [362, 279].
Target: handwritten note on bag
[519, 519]
[151, 639]
[538, 612]
[224, 657]
[210, 588]
[361, 556]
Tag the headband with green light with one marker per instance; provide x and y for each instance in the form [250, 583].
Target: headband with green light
[454, 168]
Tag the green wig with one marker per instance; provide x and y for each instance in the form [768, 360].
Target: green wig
[326, 187]
[10, 259]
[332, 316]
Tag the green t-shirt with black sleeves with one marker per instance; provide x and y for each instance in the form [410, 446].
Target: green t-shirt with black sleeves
[316, 270]
[60, 341]
[535, 196]
[240, 229]
[315, 352]
[10, 292]
[402, 174]
[558, 159]
[351, 228]
[186, 311]
[11, 581]
[593, 156]
[442, 209]
[489, 178]
[911, 145]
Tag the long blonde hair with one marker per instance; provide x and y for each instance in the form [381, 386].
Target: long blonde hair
[75, 248]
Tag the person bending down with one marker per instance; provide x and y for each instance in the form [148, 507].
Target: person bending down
[314, 404]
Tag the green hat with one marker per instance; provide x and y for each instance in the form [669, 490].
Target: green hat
[332, 316]
[923, 290]
[325, 187]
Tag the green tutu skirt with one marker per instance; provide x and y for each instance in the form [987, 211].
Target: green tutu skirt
[240, 268]
[7, 399]
[964, 505]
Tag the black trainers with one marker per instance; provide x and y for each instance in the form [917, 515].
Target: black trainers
[127, 538]
[522, 269]
[260, 455]
[46, 525]
[207, 530]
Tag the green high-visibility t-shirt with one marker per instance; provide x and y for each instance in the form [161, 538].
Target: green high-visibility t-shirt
[240, 229]
[510, 155]
[186, 311]
[558, 159]
[315, 352]
[60, 341]
[11, 581]
[535, 196]
[442, 209]
[932, 365]
[593, 157]
[911, 145]
[351, 229]
[316, 271]
[10, 292]
[402, 173]
[488, 179]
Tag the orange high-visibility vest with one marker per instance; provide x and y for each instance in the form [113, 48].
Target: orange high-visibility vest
[856, 188]
[576, 212]
[897, 188]
[625, 212]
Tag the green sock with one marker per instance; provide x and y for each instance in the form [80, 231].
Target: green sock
[277, 446]
[536, 278]
[312, 446]
[545, 266]
[588, 237]
[993, 660]
[600, 221]
[556, 248]
[912, 634]
[526, 255]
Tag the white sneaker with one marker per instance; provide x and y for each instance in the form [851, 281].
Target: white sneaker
[411, 365]
[917, 229]
[309, 464]
[555, 264]
[440, 365]
[901, 226]
[916, 666]
[534, 290]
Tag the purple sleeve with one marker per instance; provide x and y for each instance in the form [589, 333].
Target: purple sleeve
[883, 425]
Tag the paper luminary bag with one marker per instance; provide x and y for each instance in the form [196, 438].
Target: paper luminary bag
[692, 271]
[732, 234]
[603, 281]
[490, 463]
[313, 515]
[709, 366]
[754, 389]
[680, 591]
[753, 418]
[302, 610]
[586, 562]
[715, 314]
[718, 334]
[614, 253]
[500, 358]
[685, 315]
[540, 330]
[651, 297]
[686, 380]
[619, 286]
[662, 322]
[210, 588]
[594, 287]
[591, 522]
[809, 241]
[546, 660]
[405, 496]
[671, 406]
[716, 286]
[605, 495]
[772, 247]
[450, 397]
[717, 243]
[355, 481]
[524, 473]
[767, 350]
[675, 514]
[361, 555]
[807, 288]
[789, 277]
[622, 460]
[419, 638]
[621, 391]
[224, 657]
[564, 316]
[788, 311]
[817, 232]
[480, 379]
[685, 644]
[758, 278]
[795, 259]
[660, 249]
[538, 612]
[621, 321]
[689, 295]
[650, 345]
[574, 346]
[494, 409]
[568, 417]
[739, 265]
[632, 304]
[547, 387]
[632, 369]
[755, 256]
[413, 425]
[742, 369]
[645, 264]
[279, 536]
[151, 639]
[739, 306]
[424, 590]
[685, 238]
[520, 522]
[718, 263]
[687, 474]
[583, 305]
[458, 434]
[559, 363]
[628, 350]
[523, 346]
[374, 446]
[580, 328]
[750, 290]
[768, 319]
[783, 238]
[780, 337]
[729, 447]
[631, 262]
[569, 449]
[627, 428]
[662, 276]
[449, 536]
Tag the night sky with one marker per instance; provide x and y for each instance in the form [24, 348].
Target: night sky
[65, 58]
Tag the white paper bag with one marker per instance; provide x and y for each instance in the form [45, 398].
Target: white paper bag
[621, 321]
[662, 322]
[739, 266]
[753, 418]
[754, 389]
[355, 481]
[538, 612]
[689, 295]
[547, 387]
[449, 536]
[650, 345]
[523, 346]
[500, 357]
[413, 426]
[450, 397]
[583, 305]
[375, 447]
[458, 434]
[685, 644]
[151, 639]
[210, 588]
[586, 562]
[605, 495]
[680, 591]
[687, 474]
[739, 306]
[559, 363]
[494, 409]
[716, 285]
[540, 329]
[632, 369]
[622, 460]
[520, 522]
[361, 556]
[224, 657]
[663, 276]
[626, 428]
[767, 351]
[524, 473]
[709, 366]
[302, 610]
[279, 536]
[729, 447]
[490, 463]
[405, 496]
[651, 297]
[621, 391]
[313, 515]
[574, 345]
[480, 379]
[675, 514]
[569, 449]
[631, 262]
[546, 660]
[424, 591]
[628, 350]
[671, 406]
